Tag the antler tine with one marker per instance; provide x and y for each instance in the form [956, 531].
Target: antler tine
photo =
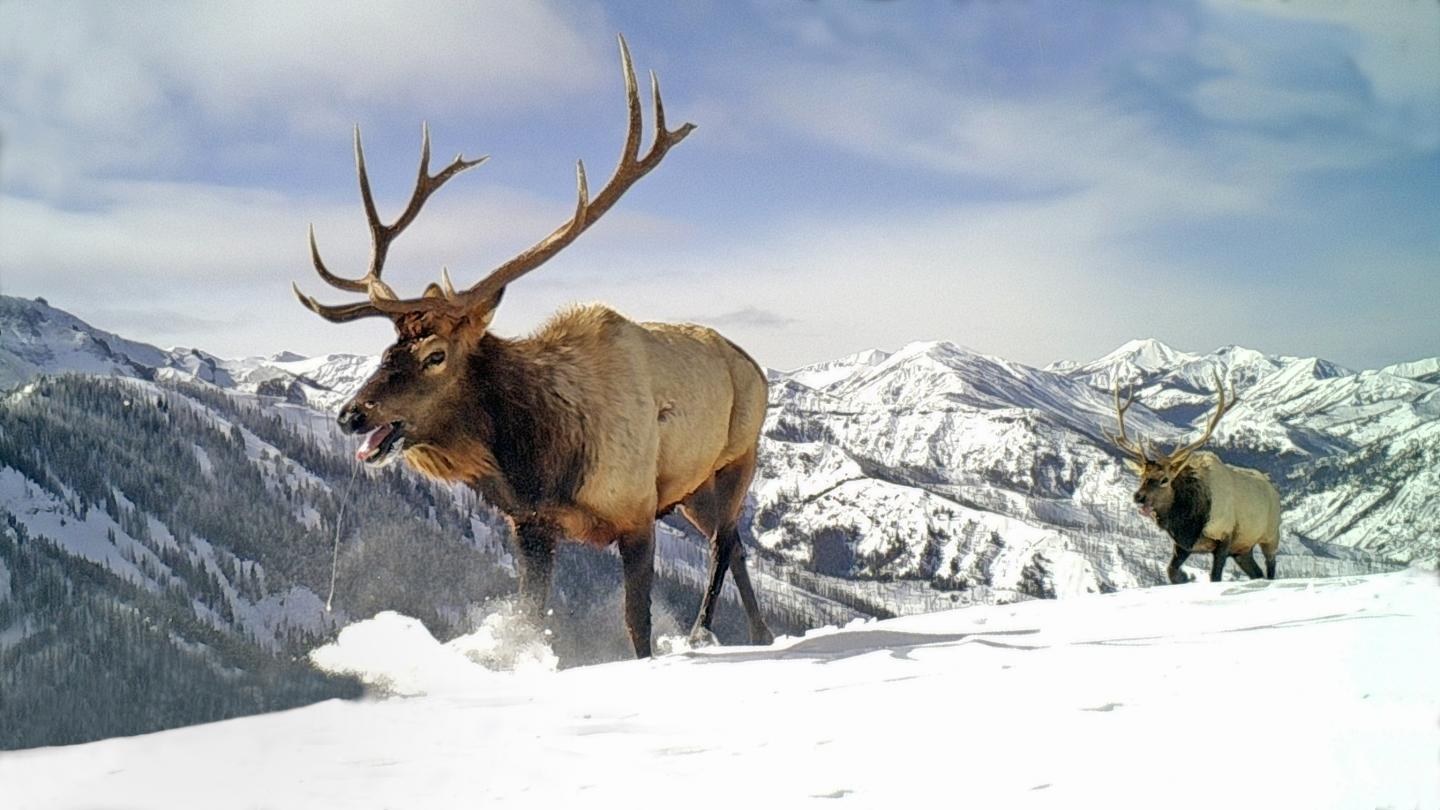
[1221, 408]
[337, 314]
[634, 127]
[330, 278]
[383, 301]
[1122, 440]
[381, 235]
[630, 168]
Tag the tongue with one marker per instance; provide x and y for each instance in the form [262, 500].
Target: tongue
[373, 442]
[1147, 511]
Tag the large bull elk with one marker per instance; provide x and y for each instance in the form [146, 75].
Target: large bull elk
[590, 428]
[1203, 503]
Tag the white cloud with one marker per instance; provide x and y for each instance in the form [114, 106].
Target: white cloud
[1053, 270]
[225, 254]
[1274, 72]
[99, 87]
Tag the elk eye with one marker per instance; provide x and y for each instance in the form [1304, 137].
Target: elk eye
[434, 359]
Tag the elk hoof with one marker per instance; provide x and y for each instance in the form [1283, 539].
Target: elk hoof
[700, 637]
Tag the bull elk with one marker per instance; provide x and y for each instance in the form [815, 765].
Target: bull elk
[1203, 503]
[588, 429]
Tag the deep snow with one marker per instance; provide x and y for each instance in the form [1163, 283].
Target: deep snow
[1294, 693]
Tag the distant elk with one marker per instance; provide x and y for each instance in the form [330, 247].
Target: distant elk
[590, 428]
[1204, 504]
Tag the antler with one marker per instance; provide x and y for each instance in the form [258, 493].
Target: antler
[1134, 448]
[381, 235]
[631, 168]
[1179, 455]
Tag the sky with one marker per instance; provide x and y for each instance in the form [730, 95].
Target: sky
[1036, 180]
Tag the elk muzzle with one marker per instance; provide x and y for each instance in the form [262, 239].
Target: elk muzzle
[353, 417]
[385, 437]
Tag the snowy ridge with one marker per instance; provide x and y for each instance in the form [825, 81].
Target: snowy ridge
[945, 465]
[981, 706]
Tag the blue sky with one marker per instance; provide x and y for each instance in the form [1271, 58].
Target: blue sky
[1037, 180]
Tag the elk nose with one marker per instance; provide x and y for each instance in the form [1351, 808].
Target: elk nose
[351, 418]
[1139, 498]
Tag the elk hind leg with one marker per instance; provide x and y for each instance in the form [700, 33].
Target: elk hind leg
[1246, 561]
[714, 510]
[637, 559]
[1217, 563]
[702, 509]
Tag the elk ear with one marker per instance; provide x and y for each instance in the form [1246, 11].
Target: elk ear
[476, 322]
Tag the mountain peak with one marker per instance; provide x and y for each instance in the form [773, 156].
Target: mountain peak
[1148, 354]
[821, 375]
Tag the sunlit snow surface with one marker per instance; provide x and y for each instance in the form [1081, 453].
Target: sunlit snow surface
[1295, 693]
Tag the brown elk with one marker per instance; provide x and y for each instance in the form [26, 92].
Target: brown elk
[1203, 503]
[590, 428]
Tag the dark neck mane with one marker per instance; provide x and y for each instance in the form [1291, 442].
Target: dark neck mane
[535, 438]
[1185, 520]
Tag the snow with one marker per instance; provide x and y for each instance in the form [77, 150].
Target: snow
[398, 656]
[45, 515]
[1294, 693]
[1428, 367]
[822, 375]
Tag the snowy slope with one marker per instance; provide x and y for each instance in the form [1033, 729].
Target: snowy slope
[1313, 694]
[36, 338]
[956, 468]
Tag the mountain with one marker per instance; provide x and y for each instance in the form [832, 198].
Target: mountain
[1427, 370]
[1088, 702]
[174, 517]
[193, 501]
[1135, 359]
[36, 338]
[942, 465]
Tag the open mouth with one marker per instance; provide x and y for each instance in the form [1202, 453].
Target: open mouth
[1146, 510]
[381, 444]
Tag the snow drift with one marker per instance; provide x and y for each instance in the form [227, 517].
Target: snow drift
[1293, 693]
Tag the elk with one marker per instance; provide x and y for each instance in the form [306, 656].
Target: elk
[1203, 503]
[590, 428]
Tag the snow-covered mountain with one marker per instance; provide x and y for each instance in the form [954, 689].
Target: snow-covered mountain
[1327, 686]
[890, 484]
[36, 338]
[948, 466]
[173, 517]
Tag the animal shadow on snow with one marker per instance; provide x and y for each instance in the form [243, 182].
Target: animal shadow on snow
[838, 646]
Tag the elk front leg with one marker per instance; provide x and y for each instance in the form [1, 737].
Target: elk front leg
[637, 557]
[535, 543]
[1178, 577]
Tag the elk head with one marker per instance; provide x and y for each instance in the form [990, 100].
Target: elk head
[413, 397]
[1158, 470]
